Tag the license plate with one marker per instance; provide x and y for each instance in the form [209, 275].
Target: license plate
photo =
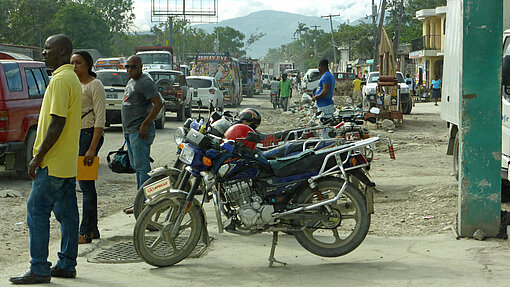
[352, 136]
[157, 187]
[111, 96]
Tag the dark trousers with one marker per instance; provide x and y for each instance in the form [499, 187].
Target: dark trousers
[88, 187]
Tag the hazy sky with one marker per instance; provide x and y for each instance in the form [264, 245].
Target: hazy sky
[349, 9]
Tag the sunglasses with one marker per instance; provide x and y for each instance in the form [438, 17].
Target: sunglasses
[130, 66]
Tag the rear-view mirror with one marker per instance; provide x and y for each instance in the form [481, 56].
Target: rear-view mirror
[506, 71]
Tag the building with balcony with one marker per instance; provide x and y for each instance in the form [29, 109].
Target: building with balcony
[428, 50]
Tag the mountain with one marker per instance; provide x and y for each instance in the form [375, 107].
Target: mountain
[278, 26]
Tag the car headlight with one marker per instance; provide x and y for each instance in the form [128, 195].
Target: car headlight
[179, 135]
[404, 90]
[371, 90]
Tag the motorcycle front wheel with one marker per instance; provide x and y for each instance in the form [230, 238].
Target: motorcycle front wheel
[159, 247]
[347, 225]
[139, 202]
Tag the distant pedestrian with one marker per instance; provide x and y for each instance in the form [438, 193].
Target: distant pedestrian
[436, 89]
[274, 92]
[410, 83]
[93, 118]
[140, 107]
[285, 92]
[356, 91]
[53, 168]
[324, 96]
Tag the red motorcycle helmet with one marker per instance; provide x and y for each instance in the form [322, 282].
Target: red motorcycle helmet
[240, 131]
[250, 117]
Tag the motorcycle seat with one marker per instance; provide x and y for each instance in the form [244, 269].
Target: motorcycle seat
[305, 162]
[291, 148]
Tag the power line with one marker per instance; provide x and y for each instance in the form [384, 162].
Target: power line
[332, 36]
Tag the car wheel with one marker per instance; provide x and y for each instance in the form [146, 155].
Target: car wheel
[181, 113]
[29, 147]
[160, 123]
[187, 112]
[407, 104]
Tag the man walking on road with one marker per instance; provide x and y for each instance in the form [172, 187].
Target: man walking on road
[140, 107]
[53, 168]
[356, 91]
[285, 91]
[274, 92]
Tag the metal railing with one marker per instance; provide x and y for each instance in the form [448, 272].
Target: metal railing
[426, 42]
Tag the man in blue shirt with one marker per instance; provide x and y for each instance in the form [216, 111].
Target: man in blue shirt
[324, 95]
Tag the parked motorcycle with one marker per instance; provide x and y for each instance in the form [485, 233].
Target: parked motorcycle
[308, 194]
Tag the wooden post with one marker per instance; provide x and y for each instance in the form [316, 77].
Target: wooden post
[480, 118]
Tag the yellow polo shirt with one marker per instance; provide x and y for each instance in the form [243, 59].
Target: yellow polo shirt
[62, 98]
[357, 84]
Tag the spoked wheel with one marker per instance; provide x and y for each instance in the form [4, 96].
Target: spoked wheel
[160, 247]
[139, 202]
[346, 225]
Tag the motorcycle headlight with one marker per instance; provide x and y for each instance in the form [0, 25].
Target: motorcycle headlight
[187, 155]
[179, 135]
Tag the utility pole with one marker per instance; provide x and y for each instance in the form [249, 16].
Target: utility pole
[332, 37]
[379, 29]
[170, 31]
[315, 40]
[397, 32]
[374, 30]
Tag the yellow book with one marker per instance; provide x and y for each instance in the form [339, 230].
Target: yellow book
[87, 172]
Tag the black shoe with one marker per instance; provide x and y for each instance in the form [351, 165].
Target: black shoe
[59, 272]
[30, 278]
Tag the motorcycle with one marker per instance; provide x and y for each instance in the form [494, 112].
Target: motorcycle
[274, 145]
[308, 195]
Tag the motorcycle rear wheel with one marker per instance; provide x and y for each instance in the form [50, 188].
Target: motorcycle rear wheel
[157, 248]
[348, 225]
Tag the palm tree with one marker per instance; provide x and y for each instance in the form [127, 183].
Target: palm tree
[301, 29]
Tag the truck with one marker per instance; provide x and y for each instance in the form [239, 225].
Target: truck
[156, 57]
[451, 89]
[282, 66]
[247, 76]
[225, 69]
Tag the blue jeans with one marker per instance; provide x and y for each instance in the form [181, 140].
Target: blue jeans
[327, 112]
[88, 187]
[55, 194]
[139, 152]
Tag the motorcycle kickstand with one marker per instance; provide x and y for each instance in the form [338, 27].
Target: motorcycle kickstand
[271, 258]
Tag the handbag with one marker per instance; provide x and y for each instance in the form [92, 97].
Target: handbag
[119, 162]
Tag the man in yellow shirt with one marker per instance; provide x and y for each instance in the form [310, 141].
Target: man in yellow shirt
[356, 91]
[53, 168]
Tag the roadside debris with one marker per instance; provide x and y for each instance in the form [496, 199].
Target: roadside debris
[479, 235]
[10, 193]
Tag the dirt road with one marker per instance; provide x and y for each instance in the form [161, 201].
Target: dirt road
[417, 194]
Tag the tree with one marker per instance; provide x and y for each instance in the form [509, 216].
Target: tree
[29, 22]
[91, 32]
[231, 40]
[300, 29]
[254, 37]
[118, 14]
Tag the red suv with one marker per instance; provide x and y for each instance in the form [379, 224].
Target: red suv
[22, 87]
